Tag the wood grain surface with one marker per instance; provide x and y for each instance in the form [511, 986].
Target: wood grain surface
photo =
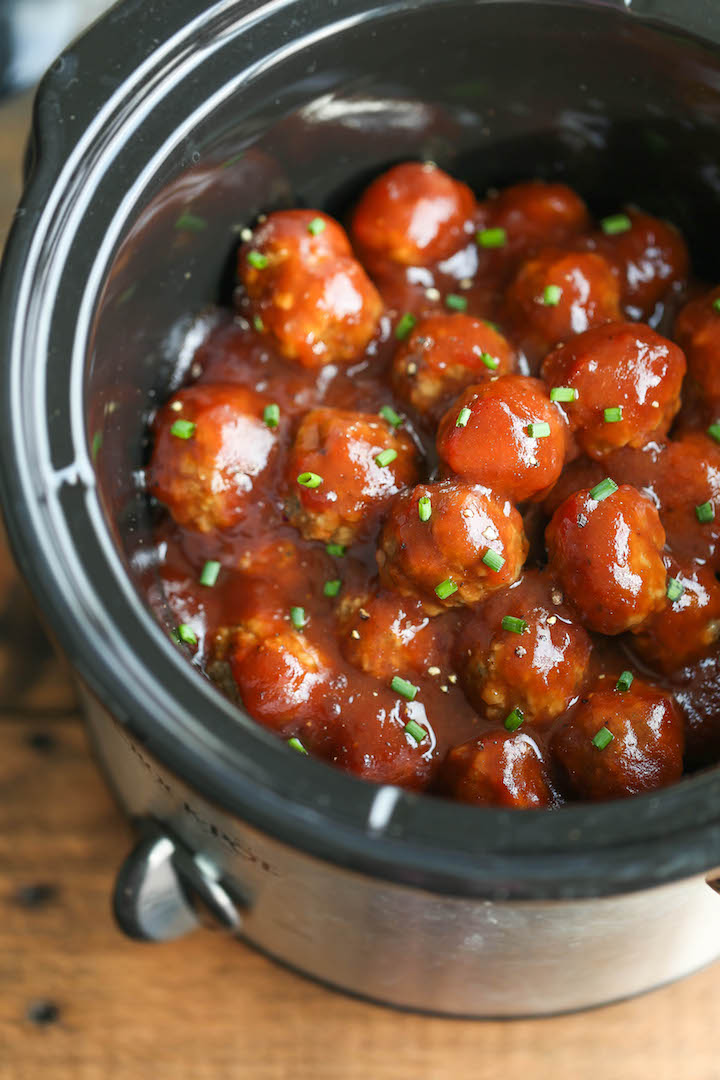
[78, 1002]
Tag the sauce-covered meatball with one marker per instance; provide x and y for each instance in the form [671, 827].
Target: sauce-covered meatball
[212, 451]
[499, 768]
[450, 543]
[532, 215]
[524, 649]
[627, 380]
[651, 259]
[556, 294]
[343, 469]
[305, 288]
[697, 331]
[620, 742]
[507, 435]
[386, 633]
[604, 547]
[689, 624]
[414, 214]
[442, 355]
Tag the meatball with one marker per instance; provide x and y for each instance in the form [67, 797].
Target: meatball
[212, 453]
[620, 742]
[627, 380]
[497, 769]
[386, 633]
[697, 331]
[506, 434]
[687, 627]
[443, 355]
[605, 549]
[534, 214]
[414, 214]
[343, 469]
[524, 649]
[650, 256]
[471, 543]
[305, 288]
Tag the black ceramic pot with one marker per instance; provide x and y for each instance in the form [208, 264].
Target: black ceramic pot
[157, 135]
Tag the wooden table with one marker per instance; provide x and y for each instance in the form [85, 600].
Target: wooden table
[79, 1002]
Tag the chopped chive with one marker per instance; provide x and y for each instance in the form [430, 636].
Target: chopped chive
[514, 720]
[716, 303]
[539, 430]
[210, 572]
[551, 295]
[233, 160]
[257, 259]
[258, 324]
[613, 415]
[489, 361]
[188, 222]
[187, 634]
[404, 688]
[316, 226]
[297, 617]
[335, 549]
[514, 625]
[97, 441]
[388, 413]
[714, 429]
[493, 560]
[602, 739]
[332, 588]
[271, 415]
[404, 326]
[424, 508]
[625, 681]
[705, 512]
[463, 417]
[491, 238]
[455, 302]
[415, 731]
[493, 326]
[309, 479]
[674, 589]
[445, 588]
[385, 457]
[295, 744]
[563, 393]
[616, 223]
[603, 489]
[183, 429]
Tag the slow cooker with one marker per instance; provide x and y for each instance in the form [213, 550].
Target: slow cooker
[211, 113]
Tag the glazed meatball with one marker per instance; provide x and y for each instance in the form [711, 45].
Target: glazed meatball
[212, 453]
[414, 214]
[343, 469]
[471, 543]
[443, 355]
[650, 256]
[534, 214]
[697, 331]
[524, 649]
[605, 550]
[687, 627]
[498, 768]
[507, 435]
[627, 380]
[557, 294]
[620, 742]
[306, 290]
[386, 633]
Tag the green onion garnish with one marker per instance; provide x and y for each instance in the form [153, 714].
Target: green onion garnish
[493, 560]
[551, 295]
[491, 238]
[309, 479]
[563, 393]
[625, 681]
[257, 259]
[415, 731]
[716, 303]
[714, 429]
[539, 430]
[187, 634]
[404, 326]
[188, 222]
[97, 441]
[404, 688]
[489, 361]
[210, 572]
[335, 549]
[183, 429]
[463, 417]
[514, 720]
[445, 588]
[388, 413]
[316, 226]
[705, 512]
[455, 302]
[603, 489]
[603, 738]
[613, 415]
[515, 626]
[297, 617]
[424, 508]
[674, 589]
[295, 744]
[385, 457]
[271, 415]
[332, 588]
[616, 223]
[258, 324]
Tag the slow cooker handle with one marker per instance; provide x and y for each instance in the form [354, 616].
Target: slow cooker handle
[162, 890]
